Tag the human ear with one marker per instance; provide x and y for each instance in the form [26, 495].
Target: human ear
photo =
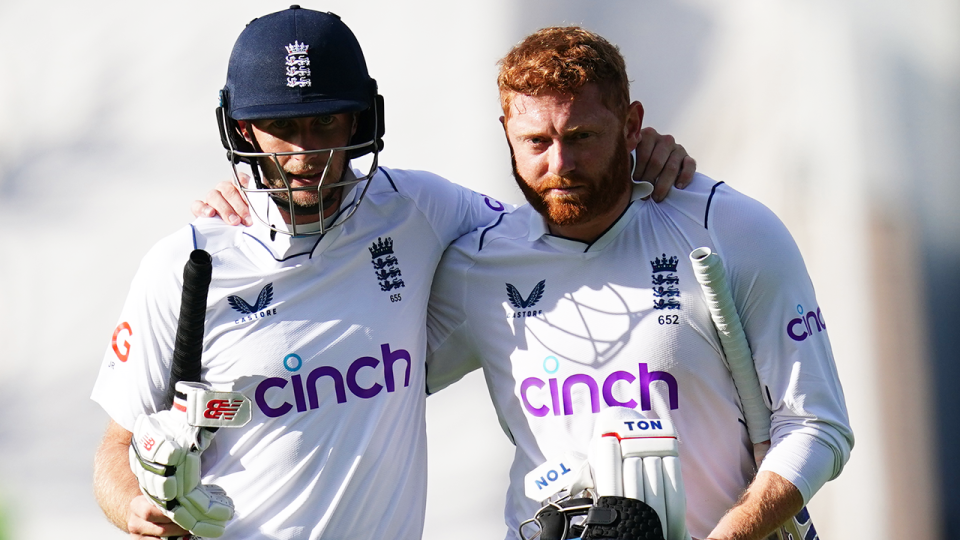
[632, 124]
[245, 130]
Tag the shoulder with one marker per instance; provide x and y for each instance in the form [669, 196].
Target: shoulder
[410, 183]
[450, 209]
[172, 247]
[721, 209]
[213, 235]
[738, 221]
[697, 200]
[167, 257]
[509, 228]
[427, 188]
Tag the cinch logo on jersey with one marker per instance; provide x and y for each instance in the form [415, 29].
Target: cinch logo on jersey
[257, 310]
[273, 397]
[555, 396]
[517, 300]
[385, 264]
[666, 294]
[800, 328]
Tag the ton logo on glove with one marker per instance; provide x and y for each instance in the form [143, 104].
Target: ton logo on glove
[629, 481]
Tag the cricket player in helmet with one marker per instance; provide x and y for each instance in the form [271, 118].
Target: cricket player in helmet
[323, 333]
[284, 96]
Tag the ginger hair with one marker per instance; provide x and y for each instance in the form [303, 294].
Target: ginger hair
[563, 60]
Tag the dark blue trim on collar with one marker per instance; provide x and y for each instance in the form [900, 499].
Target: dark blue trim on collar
[605, 231]
[706, 213]
[389, 179]
[308, 253]
[484, 233]
[193, 230]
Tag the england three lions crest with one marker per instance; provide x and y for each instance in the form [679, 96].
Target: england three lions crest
[298, 65]
[385, 265]
[666, 293]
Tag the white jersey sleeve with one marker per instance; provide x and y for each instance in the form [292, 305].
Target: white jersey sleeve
[452, 347]
[788, 336]
[144, 336]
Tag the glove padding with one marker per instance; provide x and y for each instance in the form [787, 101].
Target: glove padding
[610, 518]
[204, 511]
[629, 456]
[165, 458]
[621, 518]
[638, 458]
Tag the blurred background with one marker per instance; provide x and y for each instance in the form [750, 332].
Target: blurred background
[842, 116]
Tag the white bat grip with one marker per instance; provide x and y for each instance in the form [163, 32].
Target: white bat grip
[708, 268]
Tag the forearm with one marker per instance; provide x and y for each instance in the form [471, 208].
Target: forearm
[114, 484]
[768, 502]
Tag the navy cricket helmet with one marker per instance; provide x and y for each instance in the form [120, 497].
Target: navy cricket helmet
[291, 64]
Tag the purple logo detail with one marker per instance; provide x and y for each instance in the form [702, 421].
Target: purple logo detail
[557, 399]
[271, 399]
[801, 328]
[494, 204]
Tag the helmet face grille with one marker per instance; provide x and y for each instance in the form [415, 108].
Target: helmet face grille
[337, 182]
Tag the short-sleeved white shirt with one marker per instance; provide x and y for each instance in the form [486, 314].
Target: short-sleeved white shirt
[564, 329]
[326, 336]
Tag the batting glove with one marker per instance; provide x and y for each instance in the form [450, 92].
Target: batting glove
[165, 458]
[638, 458]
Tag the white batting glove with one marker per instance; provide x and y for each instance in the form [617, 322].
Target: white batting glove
[635, 457]
[165, 454]
[204, 511]
[165, 458]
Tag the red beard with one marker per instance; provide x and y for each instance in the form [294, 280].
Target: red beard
[598, 197]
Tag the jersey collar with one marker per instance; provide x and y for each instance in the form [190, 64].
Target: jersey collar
[538, 228]
[283, 247]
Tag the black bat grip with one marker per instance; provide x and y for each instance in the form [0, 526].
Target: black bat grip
[188, 347]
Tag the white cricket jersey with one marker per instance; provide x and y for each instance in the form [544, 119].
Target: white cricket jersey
[326, 336]
[565, 329]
